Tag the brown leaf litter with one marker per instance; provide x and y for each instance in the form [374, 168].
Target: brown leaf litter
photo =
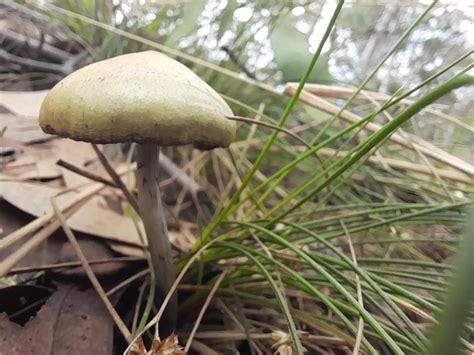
[70, 322]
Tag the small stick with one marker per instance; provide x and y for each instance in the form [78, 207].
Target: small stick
[360, 299]
[244, 328]
[202, 348]
[93, 279]
[280, 129]
[175, 176]
[233, 335]
[71, 264]
[47, 49]
[204, 309]
[43, 66]
[31, 227]
[43, 234]
[127, 281]
[179, 174]
[138, 304]
[417, 150]
[343, 92]
[406, 166]
[272, 126]
[116, 178]
[84, 173]
[427, 148]
[43, 220]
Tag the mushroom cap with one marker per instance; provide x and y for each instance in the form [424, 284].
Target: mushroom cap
[143, 97]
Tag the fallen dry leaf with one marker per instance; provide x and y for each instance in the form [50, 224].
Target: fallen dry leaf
[28, 162]
[92, 218]
[42, 170]
[23, 103]
[70, 322]
[22, 129]
[39, 161]
[126, 249]
[93, 249]
[12, 219]
[79, 154]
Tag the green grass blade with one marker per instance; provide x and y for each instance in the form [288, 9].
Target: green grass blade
[278, 294]
[446, 339]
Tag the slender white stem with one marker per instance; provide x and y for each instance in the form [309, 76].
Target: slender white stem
[153, 217]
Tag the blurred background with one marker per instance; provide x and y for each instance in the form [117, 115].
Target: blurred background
[268, 41]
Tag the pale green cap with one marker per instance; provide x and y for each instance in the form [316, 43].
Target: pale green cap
[143, 97]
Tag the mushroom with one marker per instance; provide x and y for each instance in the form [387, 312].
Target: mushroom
[150, 99]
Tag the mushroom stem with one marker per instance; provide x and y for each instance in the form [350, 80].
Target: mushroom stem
[153, 217]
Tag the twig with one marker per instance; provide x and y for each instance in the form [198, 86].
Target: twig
[84, 173]
[30, 306]
[401, 165]
[338, 92]
[49, 67]
[180, 175]
[33, 16]
[44, 233]
[246, 329]
[204, 309]
[116, 179]
[138, 304]
[127, 281]
[360, 299]
[237, 62]
[22, 232]
[47, 49]
[416, 149]
[71, 264]
[272, 126]
[280, 129]
[202, 348]
[93, 279]
[70, 65]
[182, 170]
[428, 149]
[342, 92]
[232, 335]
